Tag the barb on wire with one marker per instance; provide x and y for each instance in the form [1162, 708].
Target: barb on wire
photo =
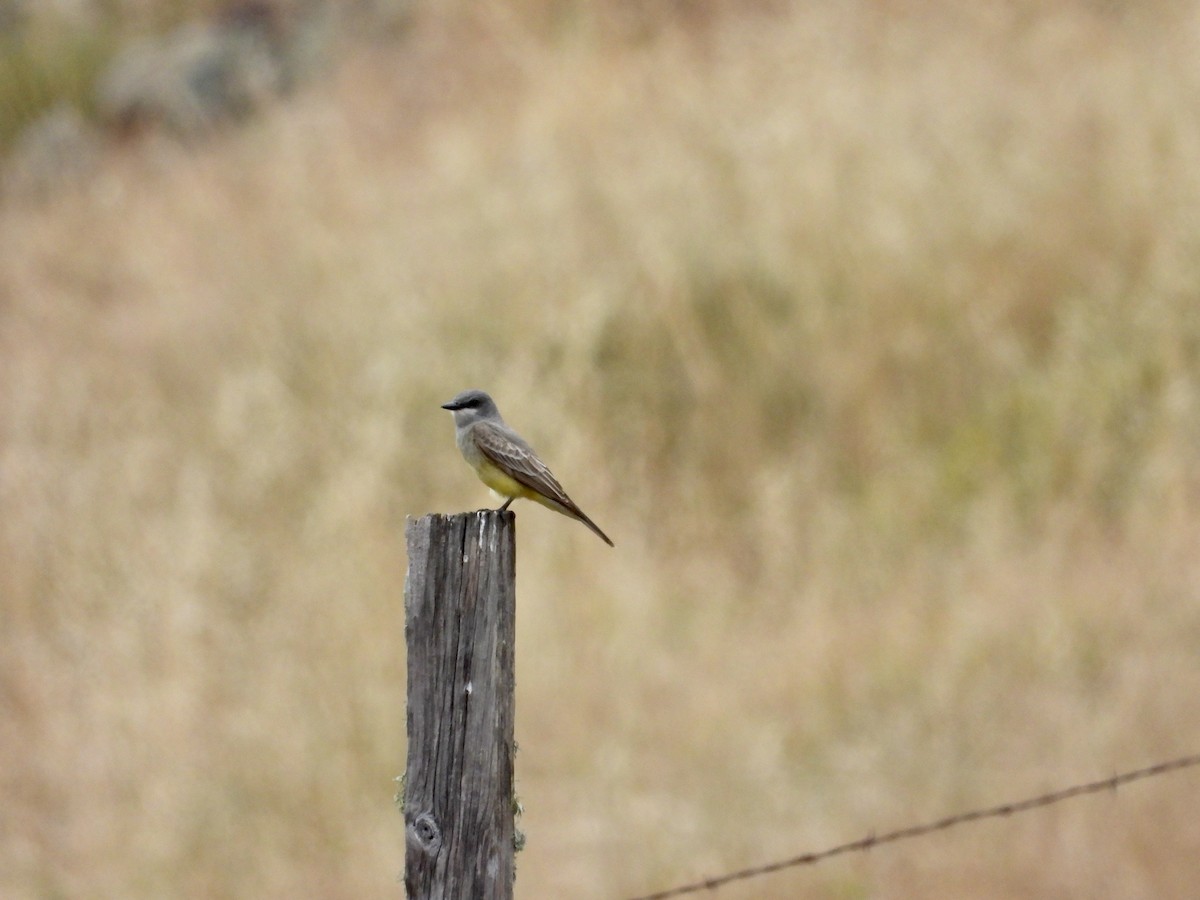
[900, 834]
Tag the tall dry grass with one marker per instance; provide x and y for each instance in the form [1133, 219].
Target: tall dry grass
[870, 333]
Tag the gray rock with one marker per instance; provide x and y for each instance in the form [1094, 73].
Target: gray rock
[202, 74]
[187, 81]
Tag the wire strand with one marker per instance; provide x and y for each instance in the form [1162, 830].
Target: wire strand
[913, 831]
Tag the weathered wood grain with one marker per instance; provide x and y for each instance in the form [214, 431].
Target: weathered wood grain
[460, 611]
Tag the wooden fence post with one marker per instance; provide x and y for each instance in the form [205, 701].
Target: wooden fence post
[460, 605]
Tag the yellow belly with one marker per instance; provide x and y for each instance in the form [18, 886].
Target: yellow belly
[502, 484]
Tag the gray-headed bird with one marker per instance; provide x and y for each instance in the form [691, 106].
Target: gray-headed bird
[504, 461]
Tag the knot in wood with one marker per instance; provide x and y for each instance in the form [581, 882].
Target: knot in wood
[424, 834]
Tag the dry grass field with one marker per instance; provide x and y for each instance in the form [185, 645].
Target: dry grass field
[870, 332]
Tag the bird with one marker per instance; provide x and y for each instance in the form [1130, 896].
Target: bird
[504, 461]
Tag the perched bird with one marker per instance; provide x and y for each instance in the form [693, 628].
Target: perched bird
[504, 461]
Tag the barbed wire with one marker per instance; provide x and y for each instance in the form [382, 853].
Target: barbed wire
[900, 834]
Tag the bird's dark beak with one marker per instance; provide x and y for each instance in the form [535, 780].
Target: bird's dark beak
[452, 406]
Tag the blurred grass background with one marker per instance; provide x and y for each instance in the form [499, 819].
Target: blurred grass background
[869, 331]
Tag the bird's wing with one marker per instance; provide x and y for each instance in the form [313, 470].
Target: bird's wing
[508, 452]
